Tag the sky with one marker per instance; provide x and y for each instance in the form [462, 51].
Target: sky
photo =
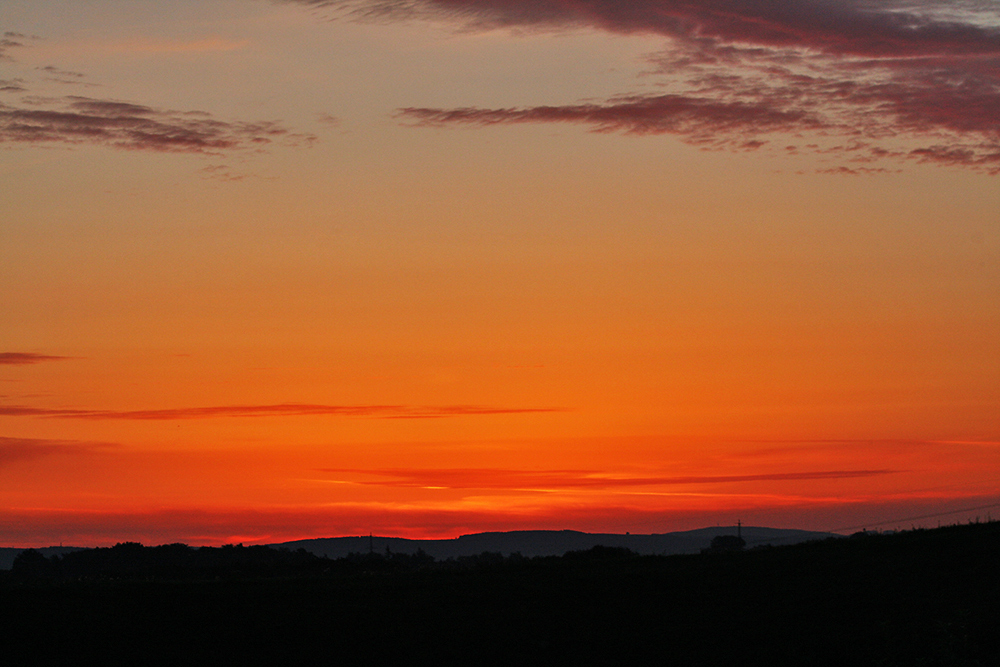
[282, 269]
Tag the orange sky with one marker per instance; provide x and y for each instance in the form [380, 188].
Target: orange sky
[275, 270]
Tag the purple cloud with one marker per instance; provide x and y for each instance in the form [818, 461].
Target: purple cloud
[869, 81]
[75, 119]
[701, 120]
[25, 358]
[842, 27]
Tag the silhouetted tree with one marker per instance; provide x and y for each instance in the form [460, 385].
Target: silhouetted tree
[30, 565]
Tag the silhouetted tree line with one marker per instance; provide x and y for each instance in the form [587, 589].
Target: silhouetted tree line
[133, 561]
[925, 597]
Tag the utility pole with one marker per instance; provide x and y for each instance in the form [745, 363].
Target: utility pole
[739, 529]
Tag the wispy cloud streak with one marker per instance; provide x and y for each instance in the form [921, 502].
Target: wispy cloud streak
[702, 120]
[858, 81]
[9, 41]
[75, 120]
[27, 117]
[278, 410]
[26, 358]
[13, 450]
[480, 478]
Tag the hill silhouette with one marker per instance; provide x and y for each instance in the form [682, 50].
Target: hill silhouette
[531, 543]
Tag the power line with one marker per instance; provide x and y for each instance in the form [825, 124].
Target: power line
[915, 518]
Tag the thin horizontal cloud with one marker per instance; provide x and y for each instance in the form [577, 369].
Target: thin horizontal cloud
[328, 119]
[864, 81]
[15, 450]
[9, 41]
[55, 75]
[278, 410]
[480, 478]
[700, 119]
[15, 85]
[34, 118]
[26, 358]
[76, 120]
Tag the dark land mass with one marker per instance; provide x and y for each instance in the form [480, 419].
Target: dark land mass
[531, 543]
[923, 597]
[8, 554]
[528, 543]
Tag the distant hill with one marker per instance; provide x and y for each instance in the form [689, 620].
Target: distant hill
[530, 543]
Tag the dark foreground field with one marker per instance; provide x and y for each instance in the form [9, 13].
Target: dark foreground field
[914, 598]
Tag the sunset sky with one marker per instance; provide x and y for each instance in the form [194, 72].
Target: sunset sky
[278, 269]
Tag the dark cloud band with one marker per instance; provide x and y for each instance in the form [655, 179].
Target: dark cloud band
[871, 80]
[833, 26]
[26, 358]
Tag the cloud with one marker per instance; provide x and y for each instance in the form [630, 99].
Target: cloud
[15, 85]
[868, 81]
[25, 358]
[76, 120]
[479, 478]
[73, 119]
[840, 27]
[10, 40]
[279, 410]
[13, 450]
[700, 119]
[56, 75]
[328, 120]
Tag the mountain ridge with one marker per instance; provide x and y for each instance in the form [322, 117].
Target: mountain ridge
[529, 543]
